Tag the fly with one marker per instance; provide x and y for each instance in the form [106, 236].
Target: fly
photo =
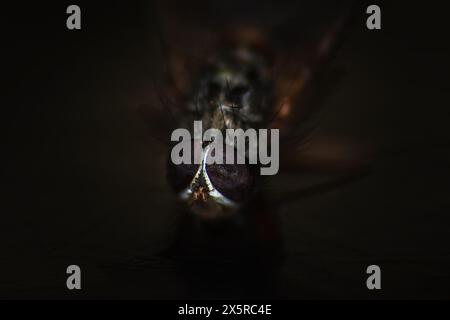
[243, 77]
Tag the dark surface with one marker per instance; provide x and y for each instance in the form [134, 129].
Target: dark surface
[85, 181]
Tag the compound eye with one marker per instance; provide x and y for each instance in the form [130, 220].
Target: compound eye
[234, 181]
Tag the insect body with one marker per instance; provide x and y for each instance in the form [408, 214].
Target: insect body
[244, 76]
[234, 91]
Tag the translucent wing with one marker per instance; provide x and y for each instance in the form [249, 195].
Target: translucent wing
[304, 69]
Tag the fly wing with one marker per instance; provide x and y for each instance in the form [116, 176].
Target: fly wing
[305, 75]
[304, 71]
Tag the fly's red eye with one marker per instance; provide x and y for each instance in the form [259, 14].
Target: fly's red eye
[234, 181]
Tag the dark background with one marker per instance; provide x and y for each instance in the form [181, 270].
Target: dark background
[85, 185]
